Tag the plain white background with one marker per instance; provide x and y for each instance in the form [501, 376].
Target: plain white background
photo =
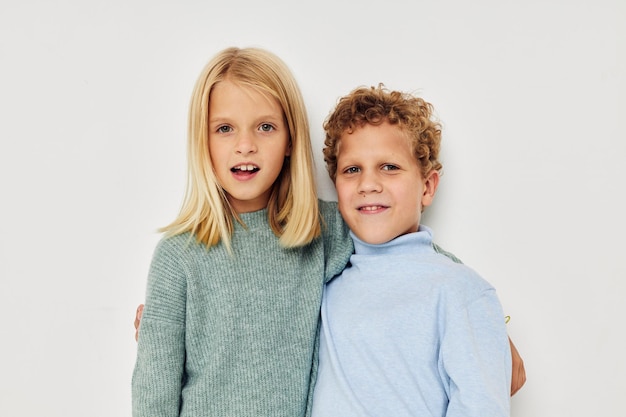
[93, 104]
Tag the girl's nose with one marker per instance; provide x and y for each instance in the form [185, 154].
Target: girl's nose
[245, 144]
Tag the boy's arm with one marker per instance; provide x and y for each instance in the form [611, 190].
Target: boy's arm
[475, 358]
[518, 378]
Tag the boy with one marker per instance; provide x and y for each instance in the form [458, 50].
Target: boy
[405, 330]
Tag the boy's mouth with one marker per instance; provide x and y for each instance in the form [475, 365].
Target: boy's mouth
[372, 208]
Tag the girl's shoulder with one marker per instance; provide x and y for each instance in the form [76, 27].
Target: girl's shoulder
[338, 244]
[177, 246]
[327, 204]
[330, 211]
[333, 226]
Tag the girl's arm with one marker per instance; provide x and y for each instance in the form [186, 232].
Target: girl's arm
[159, 369]
[518, 378]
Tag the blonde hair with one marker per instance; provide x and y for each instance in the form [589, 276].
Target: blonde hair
[375, 105]
[293, 211]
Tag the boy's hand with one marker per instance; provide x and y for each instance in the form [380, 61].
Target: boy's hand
[518, 377]
[138, 321]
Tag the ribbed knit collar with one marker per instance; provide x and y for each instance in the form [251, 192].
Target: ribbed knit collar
[253, 220]
[414, 243]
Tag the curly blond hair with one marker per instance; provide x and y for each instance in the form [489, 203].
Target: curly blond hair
[375, 105]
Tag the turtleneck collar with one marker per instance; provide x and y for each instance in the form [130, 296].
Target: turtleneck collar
[417, 242]
[253, 219]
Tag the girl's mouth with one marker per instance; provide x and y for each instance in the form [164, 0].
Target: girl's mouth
[245, 168]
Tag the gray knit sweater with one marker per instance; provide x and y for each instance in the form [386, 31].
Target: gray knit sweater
[234, 335]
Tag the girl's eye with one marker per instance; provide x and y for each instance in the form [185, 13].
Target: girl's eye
[224, 129]
[266, 127]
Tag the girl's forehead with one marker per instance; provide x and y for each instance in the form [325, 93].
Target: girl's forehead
[257, 86]
[248, 89]
[238, 102]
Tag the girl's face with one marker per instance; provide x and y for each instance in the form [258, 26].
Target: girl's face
[248, 142]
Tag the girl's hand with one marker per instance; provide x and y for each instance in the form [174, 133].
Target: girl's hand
[518, 377]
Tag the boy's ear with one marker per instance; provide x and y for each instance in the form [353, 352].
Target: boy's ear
[431, 182]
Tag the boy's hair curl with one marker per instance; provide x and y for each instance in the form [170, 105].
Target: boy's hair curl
[375, 105]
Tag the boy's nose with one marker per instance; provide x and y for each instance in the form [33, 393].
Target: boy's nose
[369, 184]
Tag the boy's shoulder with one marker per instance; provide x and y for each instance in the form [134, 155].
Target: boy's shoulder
[457, 277]
[447, 269]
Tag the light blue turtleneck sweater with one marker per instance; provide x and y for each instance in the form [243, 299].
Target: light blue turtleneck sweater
[408, 332]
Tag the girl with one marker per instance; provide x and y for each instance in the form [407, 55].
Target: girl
[235, 286]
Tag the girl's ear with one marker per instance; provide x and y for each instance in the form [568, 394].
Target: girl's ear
[431, 182]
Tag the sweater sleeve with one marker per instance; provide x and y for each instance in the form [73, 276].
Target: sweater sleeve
[475, 356]
[159, 367]
[338, 245]
[444, 252]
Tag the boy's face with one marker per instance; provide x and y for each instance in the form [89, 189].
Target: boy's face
[380, 188]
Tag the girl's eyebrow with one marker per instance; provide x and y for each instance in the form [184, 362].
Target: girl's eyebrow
[258, 119]
[217, 119]
[272, 117]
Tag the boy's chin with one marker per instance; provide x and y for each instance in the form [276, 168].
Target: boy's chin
[375, 238]
[378, 237]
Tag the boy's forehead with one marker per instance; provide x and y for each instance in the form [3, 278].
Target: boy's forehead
[382, 129]
[380, 138]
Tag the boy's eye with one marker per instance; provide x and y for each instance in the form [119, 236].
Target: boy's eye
[351, 170]
[266, 127]
[389, 167]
